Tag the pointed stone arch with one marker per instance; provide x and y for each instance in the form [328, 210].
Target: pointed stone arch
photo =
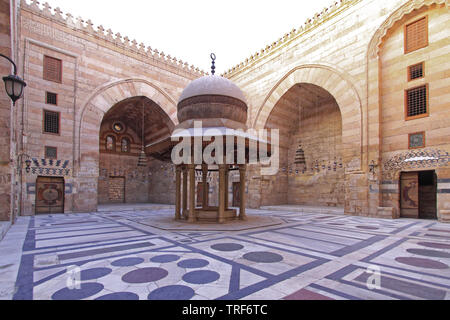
[89, 120]
[345, 94]
[397, 15]
[373, 81]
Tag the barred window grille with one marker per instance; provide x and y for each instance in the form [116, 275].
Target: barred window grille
[52, 98]
[416, 35]
[51, 152]
[416, 71]
[416, 101]
[51, 122]
[52, 69]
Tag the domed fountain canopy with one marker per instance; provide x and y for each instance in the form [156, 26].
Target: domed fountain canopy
[214, 100]
[209, 106]
[212, 85]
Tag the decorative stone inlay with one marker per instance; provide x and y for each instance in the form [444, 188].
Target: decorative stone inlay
[429, 253]
[435, 245]
[86, 290]
[127, 262]
[165, 258]
[193, 263]
[145, 275]
[367, 228]
[227, 247]
[172, 293]
[119, 296]
[415, 159]
[96, 273]
[201, 277]
[421, 263]
[263, 257]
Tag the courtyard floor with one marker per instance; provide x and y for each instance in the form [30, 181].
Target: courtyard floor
[120, 255]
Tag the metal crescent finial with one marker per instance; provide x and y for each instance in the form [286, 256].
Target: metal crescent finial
[213, 67]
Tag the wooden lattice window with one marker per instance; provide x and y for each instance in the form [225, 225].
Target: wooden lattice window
[416, 102]
[51, 98]
[51, 122]
[416, 35]
[52, 69]
[416, 71]
[51, 153]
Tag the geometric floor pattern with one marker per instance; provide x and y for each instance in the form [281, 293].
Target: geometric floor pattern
[311, 256]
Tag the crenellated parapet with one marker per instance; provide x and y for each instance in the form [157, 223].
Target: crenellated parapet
[99, 32]
[309, 25]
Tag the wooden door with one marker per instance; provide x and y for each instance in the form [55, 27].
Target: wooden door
[200, 194]
[409, 195]
[49, 195]
[427, 195]
[236, 194]
[116, 190]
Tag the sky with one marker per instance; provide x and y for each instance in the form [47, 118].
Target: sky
[192, 29]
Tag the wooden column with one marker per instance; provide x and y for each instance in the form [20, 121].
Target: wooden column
[178, 193]
[185, 192]
[227, 178]
[242, 170]
[221, 213]
[191, 217]
[205, 186]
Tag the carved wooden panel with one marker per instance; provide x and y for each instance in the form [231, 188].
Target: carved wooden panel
[200, 194]
[49, 195]
[409, 195]
[236, 194]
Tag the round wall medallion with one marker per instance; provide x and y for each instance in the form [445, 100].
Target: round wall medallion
[118, 127]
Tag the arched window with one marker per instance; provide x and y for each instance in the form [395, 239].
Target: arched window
[125, 145]
[110, 143]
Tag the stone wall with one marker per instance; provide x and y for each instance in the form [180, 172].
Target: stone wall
[309, 121]
[395, 128]
[5, 114]
[161, 188]
[320, 134]
[351, 54]
[338, 50]
[99, 70]
[123, 166]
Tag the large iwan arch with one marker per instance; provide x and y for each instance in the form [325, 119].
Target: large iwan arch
[89, 120]
[346, 97]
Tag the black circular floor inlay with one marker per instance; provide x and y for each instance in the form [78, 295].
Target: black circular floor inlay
[227, 247]
[263, 257]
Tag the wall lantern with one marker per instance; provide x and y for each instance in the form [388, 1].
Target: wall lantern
[13, 83]
[372, 167]
[28, 165]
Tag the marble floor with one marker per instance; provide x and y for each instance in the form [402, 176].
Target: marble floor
[307, 256]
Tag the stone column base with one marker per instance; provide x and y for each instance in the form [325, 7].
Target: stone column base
[444, 216]
[386, 213]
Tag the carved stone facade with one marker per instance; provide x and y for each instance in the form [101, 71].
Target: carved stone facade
[335, 87]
